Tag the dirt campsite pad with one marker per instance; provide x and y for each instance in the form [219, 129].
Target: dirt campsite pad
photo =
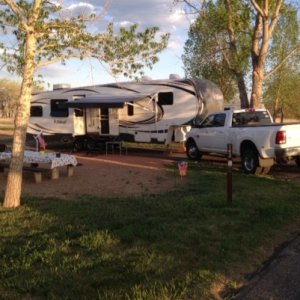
[106, 176]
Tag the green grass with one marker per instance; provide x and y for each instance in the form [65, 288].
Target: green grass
[175, 245]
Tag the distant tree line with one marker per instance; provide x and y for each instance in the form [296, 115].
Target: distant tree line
[9, 92]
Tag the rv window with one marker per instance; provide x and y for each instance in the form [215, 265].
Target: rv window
[165, 98]
[36, 111]
[130, 111]
[57, 110]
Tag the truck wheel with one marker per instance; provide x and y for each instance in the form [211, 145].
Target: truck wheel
[297, 160]
[250, 163]
[192, 151]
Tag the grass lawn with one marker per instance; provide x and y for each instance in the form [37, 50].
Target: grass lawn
[176, 245]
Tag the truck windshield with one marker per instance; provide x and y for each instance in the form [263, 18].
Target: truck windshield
[251, 118]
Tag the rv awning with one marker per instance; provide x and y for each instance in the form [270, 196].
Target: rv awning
[105, 101]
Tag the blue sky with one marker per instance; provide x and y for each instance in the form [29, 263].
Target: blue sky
[161, 13]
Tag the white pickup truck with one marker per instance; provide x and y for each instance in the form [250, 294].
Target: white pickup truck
[253, 136]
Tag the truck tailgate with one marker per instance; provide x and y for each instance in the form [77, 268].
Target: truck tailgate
[292, 135]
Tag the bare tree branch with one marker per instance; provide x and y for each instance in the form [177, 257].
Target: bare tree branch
[17, 12]
[288, 56]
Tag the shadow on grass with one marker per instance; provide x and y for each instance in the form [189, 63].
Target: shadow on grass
[173, 245]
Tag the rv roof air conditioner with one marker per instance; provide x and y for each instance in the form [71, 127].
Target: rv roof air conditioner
[174, 76]
[61, 86]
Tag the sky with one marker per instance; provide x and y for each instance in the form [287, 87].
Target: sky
[164, 14]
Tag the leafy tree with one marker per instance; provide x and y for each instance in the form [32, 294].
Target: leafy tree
[266, 18]
[282, 90]
[45, 33]
[243, 20]
[200, 61]
[282, 95]
[217, 46]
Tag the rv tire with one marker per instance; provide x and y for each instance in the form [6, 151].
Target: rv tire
[90, 144]
[78, 144]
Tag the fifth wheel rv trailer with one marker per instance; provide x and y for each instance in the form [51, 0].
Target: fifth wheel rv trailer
[149, 111]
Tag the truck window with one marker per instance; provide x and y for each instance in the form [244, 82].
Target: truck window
[217, 120]
[251, 118]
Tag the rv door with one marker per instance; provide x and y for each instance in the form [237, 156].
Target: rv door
[79, 124]
[114, 128]
[92, 120]
[109, 121]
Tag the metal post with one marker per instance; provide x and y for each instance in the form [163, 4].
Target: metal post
[229, 173]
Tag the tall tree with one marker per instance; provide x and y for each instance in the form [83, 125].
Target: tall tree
[217, 45]
[200, 61]
[257, 21]
[45, 33]
[281, 91]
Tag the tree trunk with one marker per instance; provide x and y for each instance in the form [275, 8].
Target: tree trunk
[234, 50]
[242, 90]
[265, 23]
[14, 181]
[257, 86]
[275, 109]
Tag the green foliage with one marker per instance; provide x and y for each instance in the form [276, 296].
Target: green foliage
[9, 92]
[282, 91]
[221, 44]
[175, 245]
[209, 53]
[60, 36]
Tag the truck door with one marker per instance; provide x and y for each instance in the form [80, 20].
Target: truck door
[212, 136]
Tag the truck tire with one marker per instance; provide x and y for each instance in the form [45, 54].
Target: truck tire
[192, 151]
[250, 162]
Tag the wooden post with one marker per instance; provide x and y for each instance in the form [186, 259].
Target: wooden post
[229, 173]
[70, 169]
[38, 177]
[55, 173]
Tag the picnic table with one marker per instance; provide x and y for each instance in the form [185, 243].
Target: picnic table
[39, 162]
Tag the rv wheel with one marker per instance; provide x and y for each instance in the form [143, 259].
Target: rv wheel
[90, 144]
[78, 145]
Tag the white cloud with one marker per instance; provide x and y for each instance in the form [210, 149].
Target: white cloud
[81, 8]
[159, 13]
[55, 71]
[174, 45]
[177, 17]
